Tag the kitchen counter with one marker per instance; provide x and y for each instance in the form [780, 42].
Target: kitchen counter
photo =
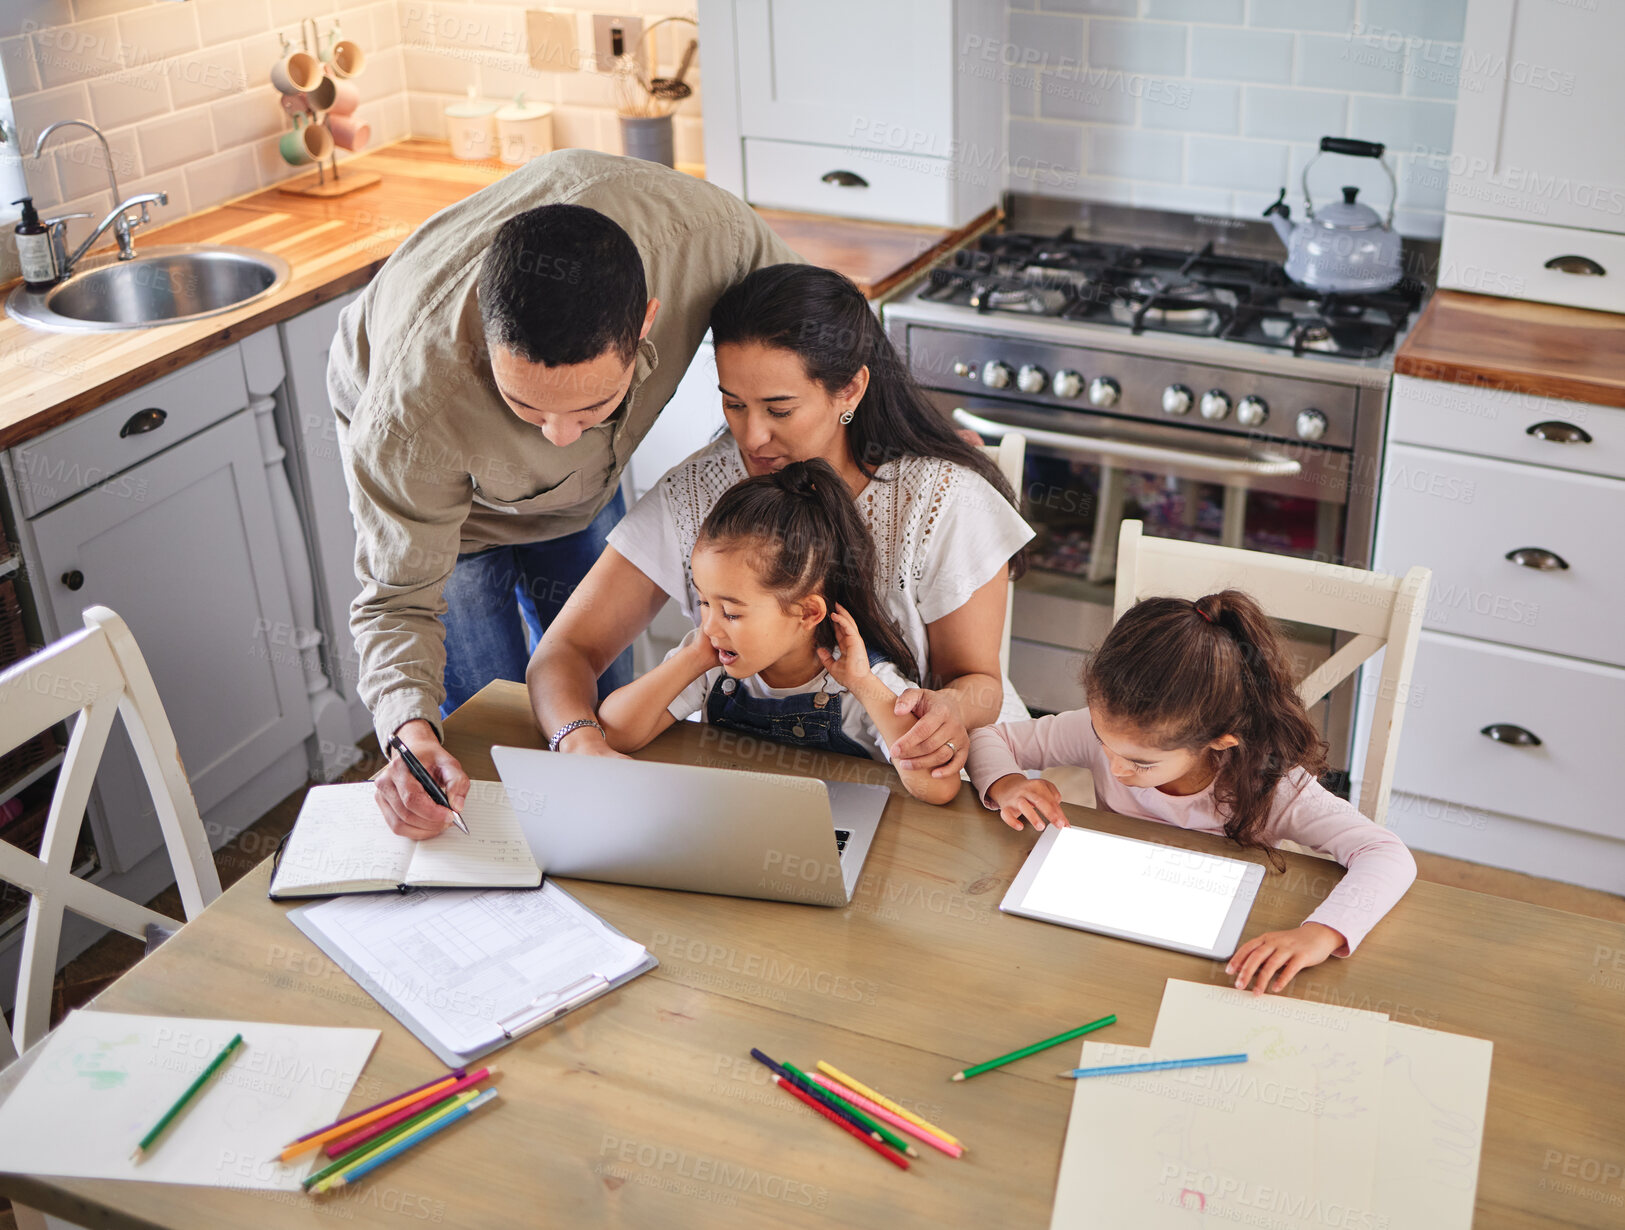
[1535, 348]
[335, 245]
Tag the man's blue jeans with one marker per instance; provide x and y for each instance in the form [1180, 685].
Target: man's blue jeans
[499, 601]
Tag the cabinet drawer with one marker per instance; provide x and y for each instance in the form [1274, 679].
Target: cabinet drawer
[77, 455]
[1460, 687]
[1493, 257]
[896, 187]
[1461, 516]
[1543, 431]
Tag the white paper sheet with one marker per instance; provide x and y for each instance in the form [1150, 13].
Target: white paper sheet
[458, 962]
[105, 1078]
[492, 854]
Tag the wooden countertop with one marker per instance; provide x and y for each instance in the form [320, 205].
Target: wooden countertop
[1536, 348]
[336, 245]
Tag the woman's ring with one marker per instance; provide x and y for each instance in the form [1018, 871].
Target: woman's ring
[952, 748]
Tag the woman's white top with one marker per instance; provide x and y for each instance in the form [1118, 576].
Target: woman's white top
[941, 532]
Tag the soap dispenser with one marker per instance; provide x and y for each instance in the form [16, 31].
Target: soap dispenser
[34, 248]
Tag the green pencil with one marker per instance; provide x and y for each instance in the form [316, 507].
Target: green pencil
[977, 1069]
[384, 1138]
[879, 1129]
[185, 1099]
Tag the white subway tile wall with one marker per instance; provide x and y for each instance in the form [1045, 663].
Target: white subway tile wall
[1210, 106]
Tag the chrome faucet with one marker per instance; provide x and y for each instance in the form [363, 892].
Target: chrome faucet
[122, 224]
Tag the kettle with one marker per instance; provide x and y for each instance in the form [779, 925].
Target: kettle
[1346, 248]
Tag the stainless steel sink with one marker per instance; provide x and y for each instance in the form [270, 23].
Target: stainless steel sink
[159, 286]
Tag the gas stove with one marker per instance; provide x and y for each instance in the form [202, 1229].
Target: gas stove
[1195, 293]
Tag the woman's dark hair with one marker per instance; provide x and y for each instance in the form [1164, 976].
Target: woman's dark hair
[824, 319]
[562, 284]
[807, 538]
[1186, 673]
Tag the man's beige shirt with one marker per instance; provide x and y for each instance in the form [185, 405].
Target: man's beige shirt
[436, 462]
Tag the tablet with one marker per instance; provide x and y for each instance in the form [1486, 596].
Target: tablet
[1136, 890]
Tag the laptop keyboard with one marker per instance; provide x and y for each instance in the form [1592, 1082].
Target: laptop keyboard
[842, 836]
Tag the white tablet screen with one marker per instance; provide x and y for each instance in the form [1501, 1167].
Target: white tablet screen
[1098, 880]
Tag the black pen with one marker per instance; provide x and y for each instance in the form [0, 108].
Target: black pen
[415, 767]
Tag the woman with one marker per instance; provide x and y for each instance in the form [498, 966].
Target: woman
[806, 370]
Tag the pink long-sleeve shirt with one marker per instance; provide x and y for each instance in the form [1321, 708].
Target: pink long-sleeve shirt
[1380, 868]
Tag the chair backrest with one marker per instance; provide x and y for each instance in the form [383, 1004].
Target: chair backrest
[95, 673]
[1379, 610]
[1010, 455]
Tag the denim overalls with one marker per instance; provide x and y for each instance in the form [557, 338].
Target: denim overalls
[807, 719]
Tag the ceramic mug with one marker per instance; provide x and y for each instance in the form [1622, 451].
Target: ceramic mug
[308, 142]
[346, 97]
[296, 72]
[348, 131]
[323, 94]
[344, 58]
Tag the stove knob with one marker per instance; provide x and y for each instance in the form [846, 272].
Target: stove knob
[964, 370]
[1252, 411]
[1215, 405]
[1176, 399]
[1103, 391]
[996, 375]
[1311, 424]
[1032, 378]
[1067, 383]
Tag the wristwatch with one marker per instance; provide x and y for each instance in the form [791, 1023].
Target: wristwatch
[569, 727]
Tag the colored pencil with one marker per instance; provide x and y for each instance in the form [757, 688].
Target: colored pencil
[185, 1100]
[829, 1069]
[358, 1121]
[345, 1144]
[851, 1112]
[896, 1159]
[1158, 1065]
[798, 1079]
[881, 1113]
[977, 1069]
[350, 1157]
[378, 1158]
[455, 1073]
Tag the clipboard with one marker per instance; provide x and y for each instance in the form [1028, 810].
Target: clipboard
[548, 1006]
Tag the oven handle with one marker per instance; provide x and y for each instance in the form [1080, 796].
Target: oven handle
[1122, 450]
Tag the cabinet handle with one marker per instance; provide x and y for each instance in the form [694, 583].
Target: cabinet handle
[1506, 732]
[1538, 557]
[844, 179]
[1559, 433]
[143, 421]
[73, 579]
[1583, 265]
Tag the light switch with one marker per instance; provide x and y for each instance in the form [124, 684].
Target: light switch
[551, 41]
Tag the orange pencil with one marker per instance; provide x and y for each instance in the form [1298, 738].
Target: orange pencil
[346, 1126]
[885, 1151]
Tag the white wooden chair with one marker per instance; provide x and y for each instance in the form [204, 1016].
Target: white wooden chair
[1381, 611]
[1010, 455]
[96, 673]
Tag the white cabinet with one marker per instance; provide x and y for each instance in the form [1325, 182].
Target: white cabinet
[889, 111]
[184, 546]
[1537, 168]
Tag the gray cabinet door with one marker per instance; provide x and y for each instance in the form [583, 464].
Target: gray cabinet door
[184, 547]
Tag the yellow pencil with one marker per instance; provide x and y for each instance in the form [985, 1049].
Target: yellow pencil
[338, 1177]
[829, 1069]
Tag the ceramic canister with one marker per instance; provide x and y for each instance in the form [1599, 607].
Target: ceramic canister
[471, 129]
[524, 130]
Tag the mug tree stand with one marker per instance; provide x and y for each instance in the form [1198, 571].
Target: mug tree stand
[324, 185]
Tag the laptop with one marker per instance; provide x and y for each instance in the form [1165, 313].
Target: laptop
[702, 830]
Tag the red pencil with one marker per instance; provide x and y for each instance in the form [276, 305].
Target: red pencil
[885, 1151]
[459, 1073]
[343, 1144]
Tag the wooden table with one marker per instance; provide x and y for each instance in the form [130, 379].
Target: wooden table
[644, 1108]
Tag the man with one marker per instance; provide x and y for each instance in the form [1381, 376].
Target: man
[490, 384]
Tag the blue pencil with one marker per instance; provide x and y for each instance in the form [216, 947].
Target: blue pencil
[1160, 1065]
[406, 1142]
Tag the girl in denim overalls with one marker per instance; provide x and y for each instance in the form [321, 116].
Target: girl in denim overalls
[793, 643]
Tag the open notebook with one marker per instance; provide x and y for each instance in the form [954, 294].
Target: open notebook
[340, 844]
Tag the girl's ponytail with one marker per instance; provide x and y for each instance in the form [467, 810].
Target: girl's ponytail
[810, 539]
[1188, 673]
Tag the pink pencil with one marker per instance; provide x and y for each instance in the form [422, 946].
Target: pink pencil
[365, 1110]
[343, 1144]
[881, 1113]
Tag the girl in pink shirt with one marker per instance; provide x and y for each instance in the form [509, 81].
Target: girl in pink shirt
[1193, 720]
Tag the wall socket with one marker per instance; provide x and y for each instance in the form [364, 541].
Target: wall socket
[613, 37]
